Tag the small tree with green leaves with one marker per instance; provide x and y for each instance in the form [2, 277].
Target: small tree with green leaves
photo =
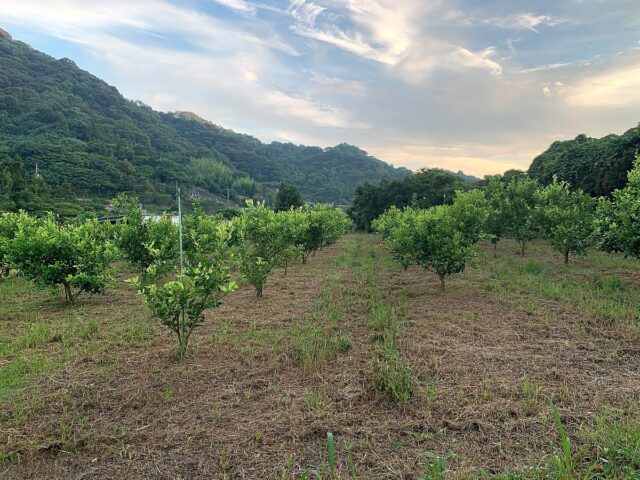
[288, 197]
[77, 257]
[566, 219]
[8, 227]
[497, 220]
[137, 237]
[180, 303]
[325, 225]
[520, 210]
[261, 246]
[617, 223]
[441, 239]
[293, 224]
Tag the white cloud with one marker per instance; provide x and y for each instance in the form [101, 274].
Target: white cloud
[417, 77]
[239, 5]
[516, 21]
[472, 158]
[305, 12]
[299, 107]
[609, 89]
[73, 20]
[481, 59]
[335, 85]
[380, 30]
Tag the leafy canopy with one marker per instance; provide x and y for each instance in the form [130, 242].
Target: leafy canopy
[566, 218]
[179, 303]
[441, 239]
[617, 224]
[76, 256]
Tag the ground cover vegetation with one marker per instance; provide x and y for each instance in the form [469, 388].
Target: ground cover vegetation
[352, 364]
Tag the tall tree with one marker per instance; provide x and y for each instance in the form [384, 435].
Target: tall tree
[288, 196]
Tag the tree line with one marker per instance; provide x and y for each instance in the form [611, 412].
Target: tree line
[181, 274]
[84, 132]
[442, 239]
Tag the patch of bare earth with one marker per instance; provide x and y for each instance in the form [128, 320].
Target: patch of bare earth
[241, 407]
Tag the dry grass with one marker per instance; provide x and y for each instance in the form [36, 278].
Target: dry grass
[489, 357]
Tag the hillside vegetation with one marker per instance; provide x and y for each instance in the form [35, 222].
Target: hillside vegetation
[596, 165]
[83, 134]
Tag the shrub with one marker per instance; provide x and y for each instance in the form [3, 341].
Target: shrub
[617, 223]
[521, 196]
[8, 227]
[179, 304]
[261, 246]
[137, 237]
[77, 257]
[442, 239]
[566, 219]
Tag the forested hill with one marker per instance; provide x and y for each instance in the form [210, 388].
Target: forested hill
[88, 140]
[596, 165]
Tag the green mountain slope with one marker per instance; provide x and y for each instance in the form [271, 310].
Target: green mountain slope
[596, 165]
[89, 141]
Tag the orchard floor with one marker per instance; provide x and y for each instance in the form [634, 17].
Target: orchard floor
[94, 391]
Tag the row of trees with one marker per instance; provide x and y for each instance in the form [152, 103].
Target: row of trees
[179, 276]
[442, 239]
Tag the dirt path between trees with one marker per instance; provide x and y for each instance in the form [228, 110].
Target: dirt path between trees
[243, 406]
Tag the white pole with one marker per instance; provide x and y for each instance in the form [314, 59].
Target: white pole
[180, 230]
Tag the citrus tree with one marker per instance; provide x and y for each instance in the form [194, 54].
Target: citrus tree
[441, 239]
[398, 228]
[76, 257]
[325, 226]
[566, 218]
[136, 236]
[617, 223]
[179, 302]
[261, 245]
[8, 226]
[497, 219]
[521, 196]
[293, 225]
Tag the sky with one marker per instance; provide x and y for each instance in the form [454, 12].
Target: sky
[478, 86]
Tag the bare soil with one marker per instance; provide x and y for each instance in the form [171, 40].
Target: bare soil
[241, 407]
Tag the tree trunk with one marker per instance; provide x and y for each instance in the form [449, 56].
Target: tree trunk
[259, 291]
[441, 282]
[183, 338]
[286, 267]
[522, 248]
[68, 296]
[182, 348]
[566, 258]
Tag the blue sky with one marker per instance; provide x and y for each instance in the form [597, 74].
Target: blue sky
[480, 86]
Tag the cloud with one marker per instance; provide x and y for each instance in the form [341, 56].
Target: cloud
[609, 89]
[473, 159]
[238, 5]
[515, 21]
[333, 85]
[305, 12]
[456, 84]
[289, 105]
[523, 21]
[74, 21]
[379, 30]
